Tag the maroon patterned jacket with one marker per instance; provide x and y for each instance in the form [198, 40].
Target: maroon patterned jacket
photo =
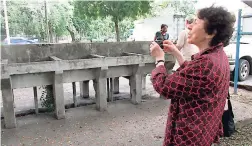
[198, 92]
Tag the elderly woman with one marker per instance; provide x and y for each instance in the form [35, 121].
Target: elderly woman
[199, 88]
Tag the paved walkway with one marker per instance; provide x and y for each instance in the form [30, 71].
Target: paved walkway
[124, 124]
[247, 82]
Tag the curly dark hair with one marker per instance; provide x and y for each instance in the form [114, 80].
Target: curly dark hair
[219, 21]
[163, 25]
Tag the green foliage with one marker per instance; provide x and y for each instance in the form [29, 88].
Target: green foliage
[81, 26]
[100, 28]
[100, 21]
[24, 19]
[125, 26]
[47, 99]
[28, 18]
[182, 7]
[116, 10]
[56, 20]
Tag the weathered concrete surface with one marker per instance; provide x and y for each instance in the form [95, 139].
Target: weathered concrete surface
[116, 85]
[58, 94]
[136, 84]
[101, 89]
[55, 64]
[84, 89]
[41, 52]
[35, 94]
[8, 106]
[89, 127]
[24, 97]
[242, 106]
[247, 84]
[122, 124]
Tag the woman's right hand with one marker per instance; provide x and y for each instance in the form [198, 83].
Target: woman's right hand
[169, 47]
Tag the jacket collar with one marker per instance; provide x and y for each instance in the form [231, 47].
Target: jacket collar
[208, 50]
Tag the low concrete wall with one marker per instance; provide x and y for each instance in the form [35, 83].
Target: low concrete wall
[69, 51]
[55, 64]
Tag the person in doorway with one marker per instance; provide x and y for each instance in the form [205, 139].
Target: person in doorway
[162, 34]
[198, 88]
[186, 49]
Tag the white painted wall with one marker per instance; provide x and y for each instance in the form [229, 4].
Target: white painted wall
[145, 29]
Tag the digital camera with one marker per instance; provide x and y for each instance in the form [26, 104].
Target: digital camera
[160, 43]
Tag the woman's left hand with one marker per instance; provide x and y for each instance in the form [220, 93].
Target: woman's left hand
[156, 51]
[169, 47]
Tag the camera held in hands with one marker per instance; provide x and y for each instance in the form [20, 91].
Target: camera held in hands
[160, 43]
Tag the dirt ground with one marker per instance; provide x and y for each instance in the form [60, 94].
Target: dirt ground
[243, 137]
[124, 124]
[243, 96]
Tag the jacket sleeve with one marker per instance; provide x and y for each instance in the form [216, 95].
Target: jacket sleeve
[186, 81]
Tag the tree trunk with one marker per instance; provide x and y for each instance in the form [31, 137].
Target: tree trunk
[50, 32]
[57, 38]
[71, 33]
[80, 35]
[117, 30]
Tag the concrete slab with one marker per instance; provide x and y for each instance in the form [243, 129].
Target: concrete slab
[247, 84]
[69, 51]
[242, 111]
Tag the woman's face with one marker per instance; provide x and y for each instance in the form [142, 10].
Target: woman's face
[197, 34]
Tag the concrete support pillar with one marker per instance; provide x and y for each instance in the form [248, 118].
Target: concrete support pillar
[74, 94]
[110, 88]
[116, 85]
[143, 84]
[100, 85]
[35, 93]
[58, 93]
[8, 103]
[84, 89]
[136, 84]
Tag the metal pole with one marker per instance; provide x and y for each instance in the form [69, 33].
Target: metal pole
[237, 51]
[74, 94]
[46, 19]
[6, 22]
